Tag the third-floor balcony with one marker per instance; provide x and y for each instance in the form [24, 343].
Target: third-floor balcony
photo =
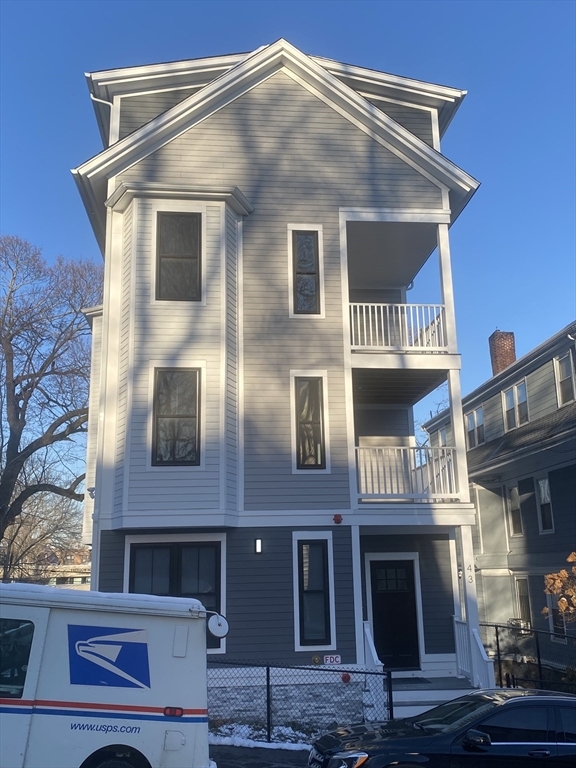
[398, 328]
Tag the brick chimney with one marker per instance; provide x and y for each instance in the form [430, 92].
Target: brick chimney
[502, 350]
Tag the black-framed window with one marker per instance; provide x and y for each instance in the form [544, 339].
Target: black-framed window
[306, 272]
[310, 442]
[178, 260]
[176, 433]
[313, 592]
[179, 569]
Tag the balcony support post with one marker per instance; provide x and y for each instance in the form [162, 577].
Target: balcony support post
[470, 597]
[447, 287]
[459, 437]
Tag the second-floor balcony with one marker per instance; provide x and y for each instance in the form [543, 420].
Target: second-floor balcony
[400, 472]
[398, 328]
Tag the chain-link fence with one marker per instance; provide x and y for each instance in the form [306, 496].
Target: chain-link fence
[531, 658]
[292, 704]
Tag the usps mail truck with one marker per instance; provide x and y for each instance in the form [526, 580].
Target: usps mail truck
[99, 680]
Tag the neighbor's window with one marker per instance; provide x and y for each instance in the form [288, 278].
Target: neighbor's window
[556, 620]
[514, 513]
[178, 257]
[475, 427]
[310, 448]
[179, 569]
[523, 595]
[565, 379]
[516, 406]
[313, 592]
[176, 436]
[545, 518]
[15, 644]
[306, 272]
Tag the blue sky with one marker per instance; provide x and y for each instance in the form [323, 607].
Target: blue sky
[513, 246]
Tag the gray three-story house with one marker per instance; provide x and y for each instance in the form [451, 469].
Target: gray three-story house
[255, 361]
[521, 438]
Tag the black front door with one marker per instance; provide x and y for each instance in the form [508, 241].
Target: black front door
[395, 624]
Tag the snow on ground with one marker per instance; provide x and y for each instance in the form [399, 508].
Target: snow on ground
[233, 735]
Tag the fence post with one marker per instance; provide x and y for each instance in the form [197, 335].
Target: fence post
[498, 655]
[268, 707]
[389, 694]
[539, 659]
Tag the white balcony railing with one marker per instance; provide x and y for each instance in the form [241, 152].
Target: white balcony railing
[416, 327]
[386, 472]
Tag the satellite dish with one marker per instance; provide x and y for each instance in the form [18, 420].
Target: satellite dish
[217, 625]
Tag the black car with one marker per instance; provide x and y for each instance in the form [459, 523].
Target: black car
[493, 728]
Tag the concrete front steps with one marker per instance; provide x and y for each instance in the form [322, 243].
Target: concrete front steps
[413, 695]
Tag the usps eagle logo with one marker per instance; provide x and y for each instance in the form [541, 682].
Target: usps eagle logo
[108, 656]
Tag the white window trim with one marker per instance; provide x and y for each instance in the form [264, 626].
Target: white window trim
[323, 374]
[176, 206]
[169, 538]
[309, 228]
[298, 536]
[473, 413]
[555, 637]
[511, 534]
[537, 493]
[557, 377]
[514, 389]
[176, 363]
[414, 557]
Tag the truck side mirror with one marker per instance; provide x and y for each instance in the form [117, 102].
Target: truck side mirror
[217, 625]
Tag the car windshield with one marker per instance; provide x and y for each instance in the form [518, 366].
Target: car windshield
[455, 714]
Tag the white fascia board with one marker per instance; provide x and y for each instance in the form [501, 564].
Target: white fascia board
[247, 75]
[94, 209]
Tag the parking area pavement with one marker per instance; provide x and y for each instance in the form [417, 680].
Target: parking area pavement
[257, 757]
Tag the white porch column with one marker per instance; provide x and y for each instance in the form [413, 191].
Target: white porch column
[459, 436]
[447, 287]
[470, 597]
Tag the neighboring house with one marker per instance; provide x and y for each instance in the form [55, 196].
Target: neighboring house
[521, 438]
[255, 363]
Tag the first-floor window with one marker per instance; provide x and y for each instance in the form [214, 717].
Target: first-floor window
[310, 447]
[176, 436]
[523, 595]
[313, 592]
[556, 620]
[179, 569]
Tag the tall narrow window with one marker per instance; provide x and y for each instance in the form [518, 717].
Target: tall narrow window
[310, 449]
[545, 519]
[565, 378]
[313, 592]
[306, 273]
[176, 437]
[475, 428]
[516, 406]
[523, 594]
[514, 513]
[178, 257]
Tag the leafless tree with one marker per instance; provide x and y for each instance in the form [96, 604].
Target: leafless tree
[44, 537]
[44, 369]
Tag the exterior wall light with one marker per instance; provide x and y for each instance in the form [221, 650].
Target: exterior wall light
[258, 546]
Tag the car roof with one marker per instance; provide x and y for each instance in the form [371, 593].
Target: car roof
[507, 695]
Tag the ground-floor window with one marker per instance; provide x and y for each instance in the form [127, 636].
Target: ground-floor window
[179, 569]
[313, 591]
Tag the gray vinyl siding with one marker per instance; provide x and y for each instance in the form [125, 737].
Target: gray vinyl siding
[296, 160]
[541, 389]
[136, 111]
[259, 592]
[125, 323]
[231, 359]
[417, 121]
[93, 421]
[435, 582]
